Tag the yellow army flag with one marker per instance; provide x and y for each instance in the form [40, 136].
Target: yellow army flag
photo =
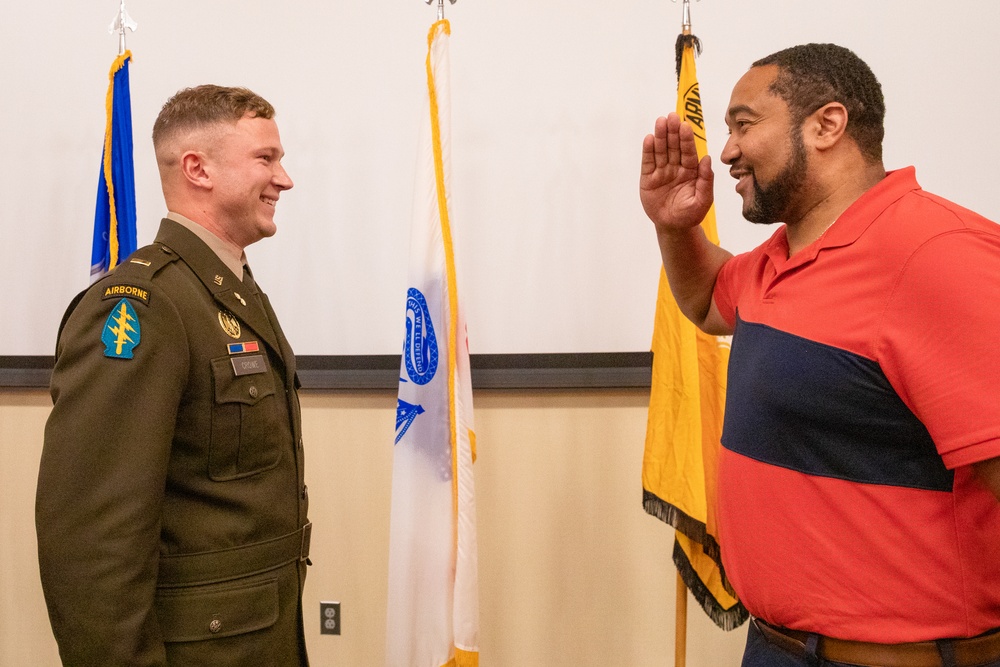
[684, 425]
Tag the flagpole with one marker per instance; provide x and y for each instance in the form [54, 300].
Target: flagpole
[119, 24]
[681, 598]
[441, 7]
[681, 611]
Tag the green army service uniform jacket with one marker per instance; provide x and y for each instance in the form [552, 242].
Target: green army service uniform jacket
[171, 507]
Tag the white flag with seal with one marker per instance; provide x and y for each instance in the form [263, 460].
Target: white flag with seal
[433, 607]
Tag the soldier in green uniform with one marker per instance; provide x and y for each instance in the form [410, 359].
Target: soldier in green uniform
[171, 508]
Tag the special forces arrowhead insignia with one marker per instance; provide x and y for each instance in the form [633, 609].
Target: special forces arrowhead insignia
[121, 331]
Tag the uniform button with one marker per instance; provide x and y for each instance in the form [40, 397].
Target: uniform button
[253, 392]
[305, 492]
[215, 626]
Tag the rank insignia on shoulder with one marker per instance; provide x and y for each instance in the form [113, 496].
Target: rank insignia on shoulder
[229, 323]
[239, 348]
[121, 331]
[119, 291]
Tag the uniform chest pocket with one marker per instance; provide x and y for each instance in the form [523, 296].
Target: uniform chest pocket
[246, 432]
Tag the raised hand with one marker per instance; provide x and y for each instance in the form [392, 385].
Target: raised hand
[674, 186]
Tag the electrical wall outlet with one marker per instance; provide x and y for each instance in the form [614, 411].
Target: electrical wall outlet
[329, 618]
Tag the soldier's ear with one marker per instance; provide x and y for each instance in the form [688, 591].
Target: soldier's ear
[194, 167]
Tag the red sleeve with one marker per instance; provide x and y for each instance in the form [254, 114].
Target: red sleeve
[729, 284]
[938, 342]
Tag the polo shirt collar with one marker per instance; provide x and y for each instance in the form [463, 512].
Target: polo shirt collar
[851, 224]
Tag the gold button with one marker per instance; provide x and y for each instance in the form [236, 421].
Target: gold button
[253, 392]
[215, 625]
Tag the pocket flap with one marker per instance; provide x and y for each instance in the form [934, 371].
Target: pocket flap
[233, 388]
[188, 615]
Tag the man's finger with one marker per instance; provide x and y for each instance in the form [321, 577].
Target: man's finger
[648, 156]
[660, 142]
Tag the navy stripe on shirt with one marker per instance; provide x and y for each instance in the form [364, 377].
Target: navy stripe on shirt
[821, 410]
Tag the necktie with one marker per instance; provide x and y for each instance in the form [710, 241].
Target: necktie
[248, 282]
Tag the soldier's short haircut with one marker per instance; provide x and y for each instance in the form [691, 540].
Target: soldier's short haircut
[202, 106]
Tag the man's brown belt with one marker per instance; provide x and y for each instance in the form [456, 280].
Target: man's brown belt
[967, 652]
[216, 566]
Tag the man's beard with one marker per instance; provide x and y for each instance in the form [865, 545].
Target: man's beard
[770, 204]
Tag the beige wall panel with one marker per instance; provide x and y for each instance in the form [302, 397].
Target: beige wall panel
[25, 637]
[572, 571]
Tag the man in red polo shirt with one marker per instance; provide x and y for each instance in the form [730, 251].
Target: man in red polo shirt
[860, 466]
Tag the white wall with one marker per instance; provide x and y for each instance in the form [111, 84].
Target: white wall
[550, 103]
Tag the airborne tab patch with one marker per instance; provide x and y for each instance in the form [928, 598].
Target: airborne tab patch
[118, 291]
[121, 331]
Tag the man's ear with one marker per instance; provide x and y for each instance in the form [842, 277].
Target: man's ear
[827, 125]
[193, 167]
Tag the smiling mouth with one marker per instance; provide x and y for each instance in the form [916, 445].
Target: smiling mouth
[269, 201]
[742, 177]
[740, 173]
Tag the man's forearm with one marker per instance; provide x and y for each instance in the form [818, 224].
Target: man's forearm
[692, 263]
[989, 472]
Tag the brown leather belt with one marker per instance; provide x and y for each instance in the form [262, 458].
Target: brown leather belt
[967, 652]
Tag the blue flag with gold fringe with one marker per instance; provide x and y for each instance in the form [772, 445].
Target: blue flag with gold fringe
[114, 219]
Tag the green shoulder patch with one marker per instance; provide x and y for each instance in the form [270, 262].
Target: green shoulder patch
[121, 333]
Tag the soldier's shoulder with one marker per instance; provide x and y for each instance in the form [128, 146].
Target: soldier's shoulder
[144, 263]
[141, 267]
[132, 279]
[126, 286]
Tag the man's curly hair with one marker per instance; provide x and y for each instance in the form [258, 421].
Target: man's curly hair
[811, 75]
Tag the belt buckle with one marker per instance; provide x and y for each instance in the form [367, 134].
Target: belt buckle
[304, 544]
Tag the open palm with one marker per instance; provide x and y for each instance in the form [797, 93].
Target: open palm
[674, 186]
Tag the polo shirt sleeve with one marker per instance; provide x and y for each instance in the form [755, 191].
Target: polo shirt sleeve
[937, 342]
[729, 284]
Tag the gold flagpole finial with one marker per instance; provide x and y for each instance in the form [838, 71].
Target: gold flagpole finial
[441, 7]
[122, 21]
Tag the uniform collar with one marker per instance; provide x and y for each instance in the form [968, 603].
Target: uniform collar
[230, 293]
[231, 255]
